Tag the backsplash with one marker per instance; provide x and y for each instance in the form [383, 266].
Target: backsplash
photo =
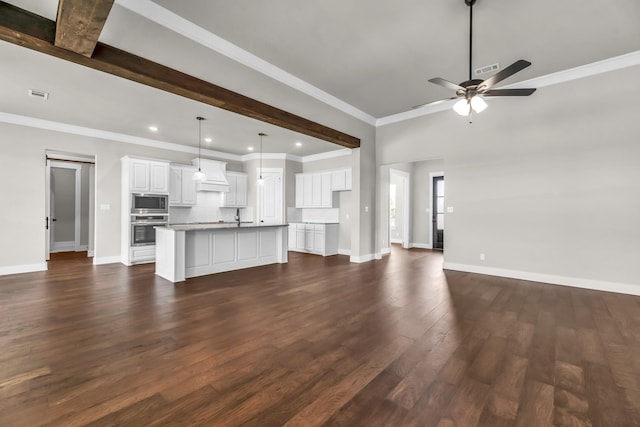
[208, 208]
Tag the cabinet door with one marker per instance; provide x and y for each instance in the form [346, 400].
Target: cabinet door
[230, 196]
[139, 176]
[325, 190]
[159, 177]
[188, 187]
[308, 239]
[241, 190]
[300, 235]
[307, 191]
[316, 190]
[292, 236]
[338, 180]
[175, 186]
[299, 191]
[318, 241]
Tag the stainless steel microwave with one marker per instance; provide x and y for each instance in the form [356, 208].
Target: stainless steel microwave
[149, 203]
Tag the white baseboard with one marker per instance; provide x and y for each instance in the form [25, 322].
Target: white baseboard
[63, 246]
[344, 252]
[106, 260]
[82, 248]
[362, 258]
[395, 241]
[385, 251]
[25, 268]
[421, 245]
[576, 282]
[90, 253]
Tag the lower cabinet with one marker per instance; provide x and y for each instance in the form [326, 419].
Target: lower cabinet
[142, 254]
[321, 239]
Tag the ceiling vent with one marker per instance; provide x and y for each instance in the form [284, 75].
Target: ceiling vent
[486, 69]
[39, 94]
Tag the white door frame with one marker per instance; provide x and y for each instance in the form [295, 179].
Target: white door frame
[78, 200]
[432, 175]
[406, 217]
[280, 211]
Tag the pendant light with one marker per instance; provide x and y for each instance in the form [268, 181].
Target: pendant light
[260, 180]
[199, 176]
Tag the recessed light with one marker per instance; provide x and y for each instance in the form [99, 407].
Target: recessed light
[250, 148]
[208, 140]
[153, 128]
[298, 144]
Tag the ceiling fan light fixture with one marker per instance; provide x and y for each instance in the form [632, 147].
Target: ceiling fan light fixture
[462, 107]
[478, 104]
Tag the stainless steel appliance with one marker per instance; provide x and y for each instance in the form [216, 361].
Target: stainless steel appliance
[149, 203]
[143, 228]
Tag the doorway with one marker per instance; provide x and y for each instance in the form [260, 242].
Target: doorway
[69, 211]
[399, 207]
[437, 211]
[270, 196]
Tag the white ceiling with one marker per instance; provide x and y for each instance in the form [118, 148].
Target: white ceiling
[375, 55]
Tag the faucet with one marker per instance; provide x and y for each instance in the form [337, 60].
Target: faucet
[238, 216]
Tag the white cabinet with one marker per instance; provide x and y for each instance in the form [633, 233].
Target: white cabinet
[237, 194]
[313, 190]
[182, 188]
[341, 180]
[148, 176]
[321, 239]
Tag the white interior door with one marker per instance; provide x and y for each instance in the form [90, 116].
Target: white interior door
[270, 197]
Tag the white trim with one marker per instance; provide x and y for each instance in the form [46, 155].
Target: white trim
[25, 268]
[63, 246]
[33, 122]
[106, 260]
[576, 282]
[385, 251]
[82, 248]
[395, 241]
[59, 155]
[327, 155]
[606, 65]
[421, 245]
[430, 219]
[174, 22]
[344, 252]
[406, 208]
[362, 258]
[27, 121]
[90, 253]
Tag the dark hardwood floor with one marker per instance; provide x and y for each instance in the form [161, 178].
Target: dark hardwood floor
[318, 341]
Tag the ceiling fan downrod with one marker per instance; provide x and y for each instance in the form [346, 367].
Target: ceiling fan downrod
[470, 3]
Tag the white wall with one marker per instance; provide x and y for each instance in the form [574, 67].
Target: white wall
[547, 184]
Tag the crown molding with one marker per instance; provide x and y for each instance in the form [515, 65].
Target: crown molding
[606, 65]
[174, 22]
[27, 121]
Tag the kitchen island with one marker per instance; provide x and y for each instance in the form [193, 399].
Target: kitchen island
[191, 250]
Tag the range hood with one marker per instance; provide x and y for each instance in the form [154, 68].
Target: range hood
[216, 175]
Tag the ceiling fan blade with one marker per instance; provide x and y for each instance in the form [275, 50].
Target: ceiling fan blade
[509, 92]
[446, 83]
[519, 65]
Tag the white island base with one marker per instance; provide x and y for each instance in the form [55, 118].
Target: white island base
[192, 250]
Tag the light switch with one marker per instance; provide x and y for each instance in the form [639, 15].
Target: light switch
[105, 207]
[449, 209]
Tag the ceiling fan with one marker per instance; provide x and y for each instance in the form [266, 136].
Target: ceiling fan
[472, 91]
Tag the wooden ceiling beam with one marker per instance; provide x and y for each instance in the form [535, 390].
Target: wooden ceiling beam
[79, 24]
[35, 32]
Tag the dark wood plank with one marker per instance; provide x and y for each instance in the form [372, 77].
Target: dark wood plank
[316, 341]
[28, 30]
[79, 24]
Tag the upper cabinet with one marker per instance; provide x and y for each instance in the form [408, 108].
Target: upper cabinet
[314, 190]
[237, 194]
[341, 180]
[182, 187]
[147, 176]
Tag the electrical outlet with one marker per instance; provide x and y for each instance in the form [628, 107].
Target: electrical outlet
[481, 257]
[366, 208]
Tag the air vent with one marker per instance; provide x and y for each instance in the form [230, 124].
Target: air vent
[39, 94]
[487, 69]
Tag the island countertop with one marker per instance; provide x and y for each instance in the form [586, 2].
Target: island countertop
[218, 226]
